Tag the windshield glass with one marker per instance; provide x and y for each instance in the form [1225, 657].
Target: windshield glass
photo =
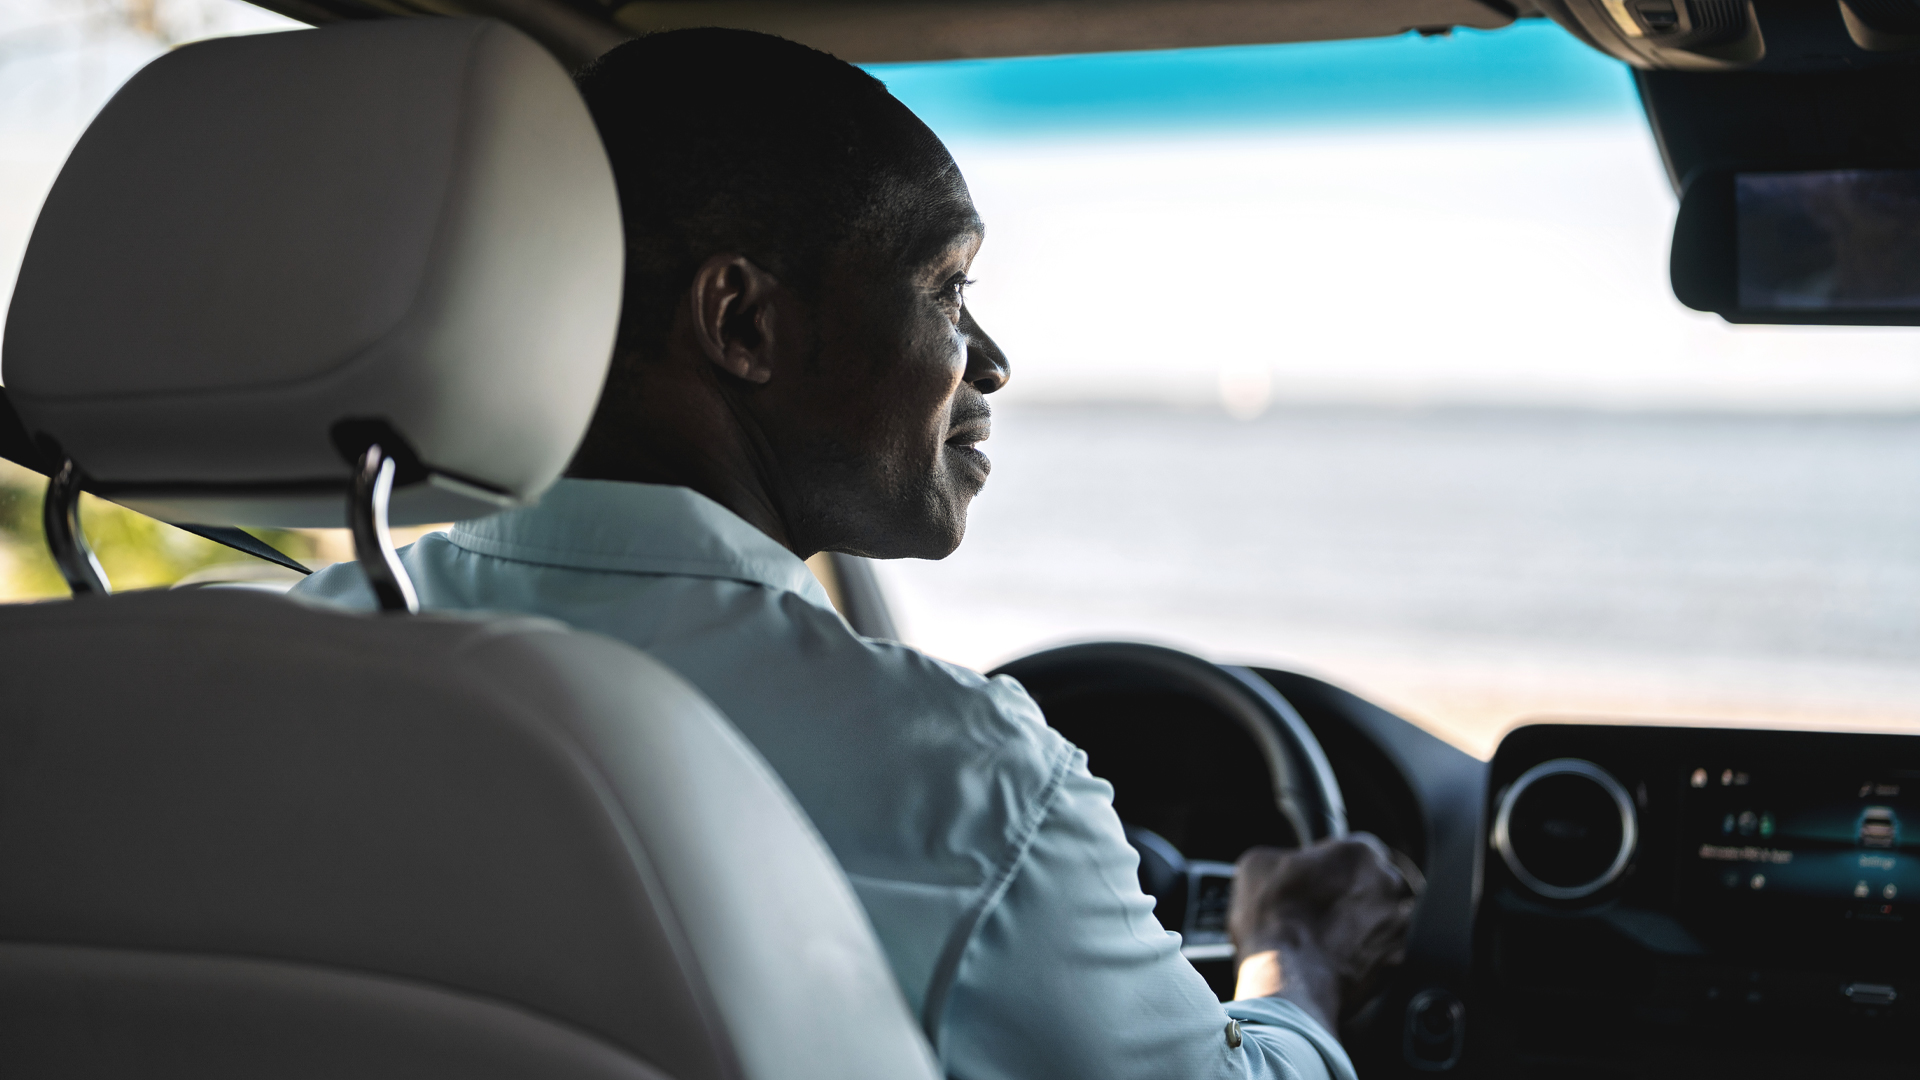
[1359, 358]
[1356, 358]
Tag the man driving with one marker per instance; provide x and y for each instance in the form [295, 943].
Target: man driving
[797, 372]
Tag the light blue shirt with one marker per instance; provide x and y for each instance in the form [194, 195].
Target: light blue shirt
[989, 860]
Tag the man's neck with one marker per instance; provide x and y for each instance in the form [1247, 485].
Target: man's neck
[667, 432]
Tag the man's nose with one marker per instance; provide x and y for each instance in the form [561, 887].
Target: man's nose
[987, 367]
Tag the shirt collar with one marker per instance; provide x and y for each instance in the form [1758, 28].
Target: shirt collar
[639, 529]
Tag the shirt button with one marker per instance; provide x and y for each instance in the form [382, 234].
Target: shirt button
[1233, 1034]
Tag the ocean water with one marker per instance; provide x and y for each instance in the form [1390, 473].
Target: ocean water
[1466, 566]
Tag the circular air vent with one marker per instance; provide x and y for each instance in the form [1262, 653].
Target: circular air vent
[1565, 828]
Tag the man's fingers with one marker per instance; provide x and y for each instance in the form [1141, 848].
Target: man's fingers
[1409, 872]
[1260, 862]
[1324, 873]
[1257, 886]
[1396, 868]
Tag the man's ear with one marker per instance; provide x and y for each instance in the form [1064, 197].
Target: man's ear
[736, 308]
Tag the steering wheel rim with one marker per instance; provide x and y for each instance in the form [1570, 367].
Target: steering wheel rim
[1305, 791]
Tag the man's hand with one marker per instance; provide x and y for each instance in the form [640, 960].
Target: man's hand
[1319, 925]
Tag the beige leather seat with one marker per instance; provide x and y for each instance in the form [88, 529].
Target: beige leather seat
[245, 837]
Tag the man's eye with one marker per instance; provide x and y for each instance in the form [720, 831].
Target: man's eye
[956, 290]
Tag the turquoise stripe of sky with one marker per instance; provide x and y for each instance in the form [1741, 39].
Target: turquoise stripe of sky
[1532, 69]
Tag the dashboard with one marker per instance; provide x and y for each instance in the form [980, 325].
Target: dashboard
[1691, 901]
[1600, 900]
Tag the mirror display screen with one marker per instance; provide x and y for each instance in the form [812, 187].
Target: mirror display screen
[1852, 841]
[1835, 240]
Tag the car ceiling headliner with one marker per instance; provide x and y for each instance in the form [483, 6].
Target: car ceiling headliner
[882, 31]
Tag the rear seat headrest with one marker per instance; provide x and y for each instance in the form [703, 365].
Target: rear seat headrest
[268, 248]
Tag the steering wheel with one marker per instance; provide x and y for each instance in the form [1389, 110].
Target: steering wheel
[1192, 896]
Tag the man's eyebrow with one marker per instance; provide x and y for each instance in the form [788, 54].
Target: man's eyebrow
[941, 246]
[971, 233]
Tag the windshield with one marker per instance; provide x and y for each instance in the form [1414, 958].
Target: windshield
[1359, 358]
[1356, 358]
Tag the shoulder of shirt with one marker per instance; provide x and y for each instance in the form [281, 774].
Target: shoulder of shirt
[996, 712]
[992, 721]
[343, 583]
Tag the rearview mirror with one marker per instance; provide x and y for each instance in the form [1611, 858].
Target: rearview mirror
[1818, 247]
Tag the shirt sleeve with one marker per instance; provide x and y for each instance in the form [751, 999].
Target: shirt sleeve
[1071, 976]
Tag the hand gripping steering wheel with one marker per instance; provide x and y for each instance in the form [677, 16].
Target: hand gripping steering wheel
[1192, 894]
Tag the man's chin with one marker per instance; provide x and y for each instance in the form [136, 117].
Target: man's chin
[926, 545]
[933, 534]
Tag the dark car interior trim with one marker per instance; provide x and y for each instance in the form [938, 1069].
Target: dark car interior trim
[886, 31]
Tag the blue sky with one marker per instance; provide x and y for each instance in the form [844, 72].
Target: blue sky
[1532, 68]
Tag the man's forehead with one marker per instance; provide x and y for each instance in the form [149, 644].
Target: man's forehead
[929, 171]
[939, 245]
[947, 222]
[963, 234]
[923, 210]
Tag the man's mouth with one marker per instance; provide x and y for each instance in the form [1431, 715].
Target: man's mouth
[965, 437]
[969, 435]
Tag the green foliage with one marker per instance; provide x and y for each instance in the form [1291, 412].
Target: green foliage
[136, 551]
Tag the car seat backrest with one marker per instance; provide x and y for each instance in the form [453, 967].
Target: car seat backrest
[242, 836]
[519, 834]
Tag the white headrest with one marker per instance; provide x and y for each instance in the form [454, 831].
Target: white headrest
[408, 222]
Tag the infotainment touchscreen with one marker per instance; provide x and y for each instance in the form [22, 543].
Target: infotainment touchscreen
[1766, 832]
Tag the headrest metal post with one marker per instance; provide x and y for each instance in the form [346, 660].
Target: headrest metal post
[372, 543]
[60, 517]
